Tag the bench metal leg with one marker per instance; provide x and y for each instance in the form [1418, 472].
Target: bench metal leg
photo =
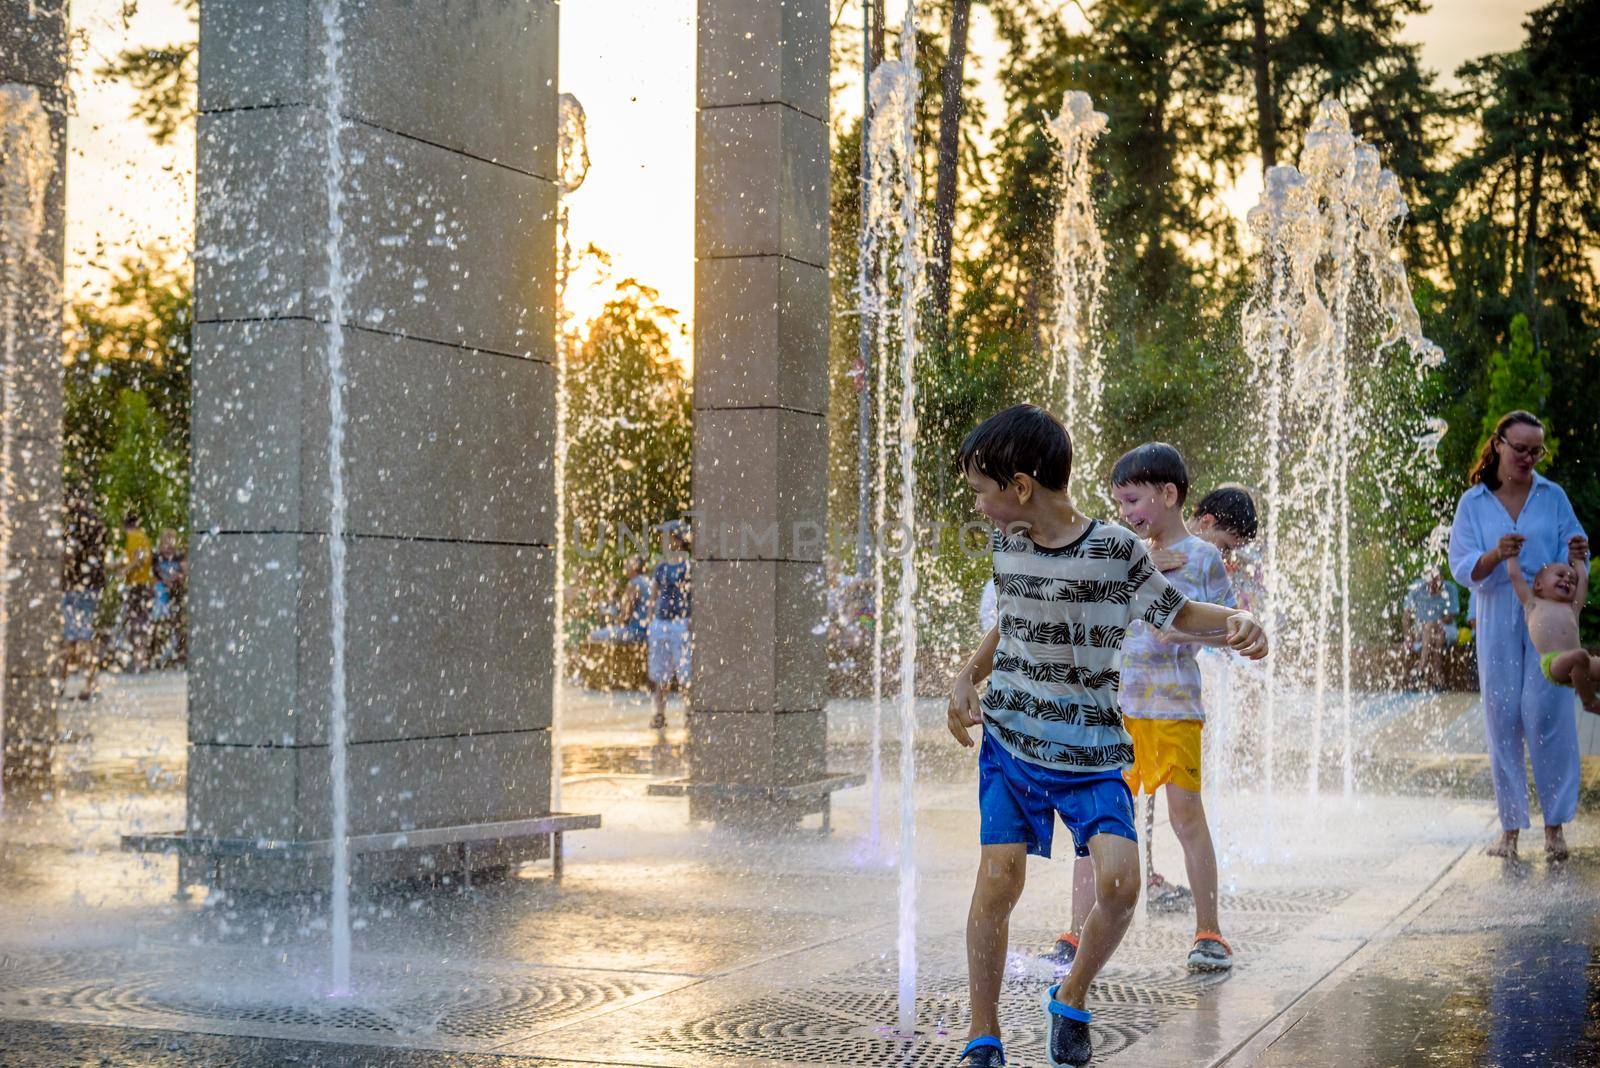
[555, 856]
[827, 813]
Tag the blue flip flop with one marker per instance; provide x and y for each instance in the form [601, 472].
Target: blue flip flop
[979, 1050]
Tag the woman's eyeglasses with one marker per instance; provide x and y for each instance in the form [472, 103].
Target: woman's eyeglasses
[1527, 452]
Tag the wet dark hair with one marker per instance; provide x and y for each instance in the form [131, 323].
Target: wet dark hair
[1024, 440]
[1487, 469]
[1232, 507]
[1154, 463]
[131, 519]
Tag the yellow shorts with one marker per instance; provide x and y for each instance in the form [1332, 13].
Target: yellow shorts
[1164, 750]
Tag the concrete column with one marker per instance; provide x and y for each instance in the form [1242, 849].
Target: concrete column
[448, 146]
[760, 436]
[33, 55]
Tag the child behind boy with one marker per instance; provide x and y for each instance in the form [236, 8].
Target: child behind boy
[1224, 521]
[1053, 741]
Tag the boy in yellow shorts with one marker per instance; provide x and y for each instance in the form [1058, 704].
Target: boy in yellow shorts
[1160, 690]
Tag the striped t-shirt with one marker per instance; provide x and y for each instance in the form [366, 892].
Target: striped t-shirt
[1052, 697]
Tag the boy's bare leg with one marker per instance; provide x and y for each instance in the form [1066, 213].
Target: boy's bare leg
[93, 667]
[1188, 815]
[1506, 846]
[1001, 869]
[1116, 869]
[1082, 892]
[1150, 876]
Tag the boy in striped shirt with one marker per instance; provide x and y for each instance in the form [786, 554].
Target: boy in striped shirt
[1053, 742]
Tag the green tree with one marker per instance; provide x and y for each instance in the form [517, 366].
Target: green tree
[1516, 224]
[1518, 379]
[125, 425]
[165, 79]
[629, 434]
[144, 472]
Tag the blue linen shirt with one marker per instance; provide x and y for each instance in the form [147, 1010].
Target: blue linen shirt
[1547, 522]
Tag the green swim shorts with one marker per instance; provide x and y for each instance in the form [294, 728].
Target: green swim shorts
[1544, 665]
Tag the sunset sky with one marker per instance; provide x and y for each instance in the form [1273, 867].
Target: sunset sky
[631, 63]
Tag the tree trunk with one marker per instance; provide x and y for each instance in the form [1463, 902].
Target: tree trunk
[1266, 104]
[944, 198]
[1516, 215]
[877, 33]
[1531, 246]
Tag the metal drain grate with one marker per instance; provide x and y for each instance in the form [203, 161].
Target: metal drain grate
[444, 1002]
[1296, 901]
[23, 971]
[817, 1027]
[844, 1019]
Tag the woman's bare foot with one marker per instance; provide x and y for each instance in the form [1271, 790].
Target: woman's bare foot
[1555, 844]
[1506, 846]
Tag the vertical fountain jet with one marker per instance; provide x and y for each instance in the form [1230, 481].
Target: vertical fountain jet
[572, 167]
[1330, 300]
[338, 296]
[1074, 382]
[893, 238]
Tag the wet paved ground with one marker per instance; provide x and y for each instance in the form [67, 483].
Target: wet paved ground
[1369, 931]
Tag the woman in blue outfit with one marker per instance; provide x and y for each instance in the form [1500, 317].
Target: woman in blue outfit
[1511, 510]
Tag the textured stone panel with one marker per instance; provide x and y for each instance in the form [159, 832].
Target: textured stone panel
[260, 205]
[761, 184]
[450, 72]
[246, 424]
[757, 636]
[243, 791]
[761, 333]
[250, 791]
[438, 246]
[759, 485]
[757, 748]
[440, 442]
[34, 511]
[758, 53]
[33, 620]
[442, 638]
[447, 639]
[244, 639]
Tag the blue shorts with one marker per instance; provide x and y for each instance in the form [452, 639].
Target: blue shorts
[78, 608]
[1018, 802]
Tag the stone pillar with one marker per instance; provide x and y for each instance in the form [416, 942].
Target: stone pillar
[760, 395]
[449, 153]
[33, 55]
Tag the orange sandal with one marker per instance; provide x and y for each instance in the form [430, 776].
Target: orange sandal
[1064, 951]
[1211, 953]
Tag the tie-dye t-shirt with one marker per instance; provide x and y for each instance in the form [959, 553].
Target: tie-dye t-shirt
[1161, 680]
